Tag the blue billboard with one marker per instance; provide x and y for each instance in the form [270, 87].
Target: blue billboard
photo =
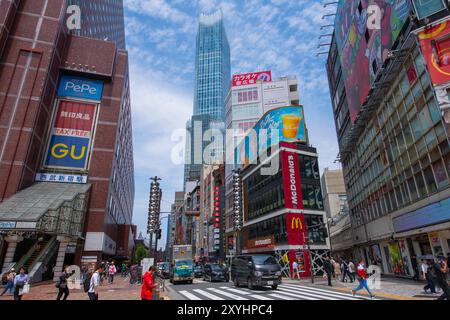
[67, 152]
[80, 88]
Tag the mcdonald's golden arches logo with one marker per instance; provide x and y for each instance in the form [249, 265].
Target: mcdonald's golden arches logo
[296, 223]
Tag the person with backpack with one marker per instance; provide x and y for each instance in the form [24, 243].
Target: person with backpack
[440, 269]
[427, 273]
[362, 278]
[111, 272]
[148, 284]
[62, 285]
[9, 282]
[21, 284]
[94, 283]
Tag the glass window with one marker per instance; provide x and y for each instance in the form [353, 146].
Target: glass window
[429, 179]
[421, 184]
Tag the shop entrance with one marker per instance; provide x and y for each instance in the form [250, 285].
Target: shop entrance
[424, 245]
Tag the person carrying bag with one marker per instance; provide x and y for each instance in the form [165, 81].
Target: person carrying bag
[21, 285]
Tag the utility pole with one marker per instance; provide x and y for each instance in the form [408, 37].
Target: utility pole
[154, 209]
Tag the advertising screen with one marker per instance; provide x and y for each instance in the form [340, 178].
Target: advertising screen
[426, 8]
[364, 49]
[71, 136]
[251, 78]
[288, 124]
[435, 45]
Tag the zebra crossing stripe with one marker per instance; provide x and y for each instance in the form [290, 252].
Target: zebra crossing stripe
[208, 295]
[227, 294]
[190, 296]
[259, 297]
[235, 290]
[322, 290]
[286, 296]
[311, 294]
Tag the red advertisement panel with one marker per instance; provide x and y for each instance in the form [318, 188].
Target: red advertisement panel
[302, 259]
[251, 78]
[296, 228]
[74, 119]
[291, 180]
[435, 44]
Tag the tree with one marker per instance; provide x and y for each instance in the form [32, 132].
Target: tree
[140, 253]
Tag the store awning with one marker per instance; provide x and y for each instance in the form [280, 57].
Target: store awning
[56, 208]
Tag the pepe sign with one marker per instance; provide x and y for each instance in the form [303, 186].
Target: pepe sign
[80, 88]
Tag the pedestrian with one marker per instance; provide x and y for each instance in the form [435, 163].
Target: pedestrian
[440, 270]
[362, 279]
[344, 267]
[295, 270]
[332, 261]
[148, 284]
[111, 272]
[21, 284]
[9, 282]
[328, 268]
[351, 271]
[124, 270]
[95, 283]
[62, 285]
[427, 275]
[415, 268]
[337, 270]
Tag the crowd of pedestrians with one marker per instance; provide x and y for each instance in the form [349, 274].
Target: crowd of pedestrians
[16, 284]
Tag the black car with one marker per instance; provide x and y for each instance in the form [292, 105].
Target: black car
[198, 271]
[214, 272]
[164, 269]
[256, 271]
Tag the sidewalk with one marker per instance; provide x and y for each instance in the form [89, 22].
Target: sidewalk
[121, 289]
[391, 288]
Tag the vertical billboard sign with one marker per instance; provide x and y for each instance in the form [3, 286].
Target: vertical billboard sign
[291, 180]
[363, 50]
[74, 122]
[435, 45]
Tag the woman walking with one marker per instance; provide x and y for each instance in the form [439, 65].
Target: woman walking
[21, 284]
[10, 282]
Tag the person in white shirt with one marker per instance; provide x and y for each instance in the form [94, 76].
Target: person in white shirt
[351, 270]
[295, 270]
[94, 284]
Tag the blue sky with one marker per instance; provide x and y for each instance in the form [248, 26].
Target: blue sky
[280, 35]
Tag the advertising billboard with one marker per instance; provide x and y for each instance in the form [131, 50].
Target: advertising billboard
[287, 122]
[435, 45]
[80, 88]
[363, 47]
[296, 228]
[291, 180]
[426, 8]
[71, 136]
[251, 78]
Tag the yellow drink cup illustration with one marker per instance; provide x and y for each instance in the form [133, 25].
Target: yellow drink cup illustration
[291, 123]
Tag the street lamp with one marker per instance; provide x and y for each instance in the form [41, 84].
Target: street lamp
[154, 208]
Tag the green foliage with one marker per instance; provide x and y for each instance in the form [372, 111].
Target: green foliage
[140, 253]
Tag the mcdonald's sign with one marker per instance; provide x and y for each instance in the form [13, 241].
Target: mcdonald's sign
[296, 223]
[296, 228]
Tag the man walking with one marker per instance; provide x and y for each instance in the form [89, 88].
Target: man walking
[345, 272]
[427, 275]
[95, 283]
[351, 271]
[328, 268]
[415, 267]
[440, 269]
[362, 278]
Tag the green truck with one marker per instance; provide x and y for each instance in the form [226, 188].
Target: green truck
[182, 269]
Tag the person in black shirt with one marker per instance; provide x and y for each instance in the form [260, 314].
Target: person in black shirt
[62, 285]
[328, 268]
[415, 267]
[440, 271]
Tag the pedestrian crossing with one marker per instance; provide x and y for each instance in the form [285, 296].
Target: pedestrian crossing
[284, 292]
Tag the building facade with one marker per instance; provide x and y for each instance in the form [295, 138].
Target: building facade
[393, 138]
[333, 191]
[66, 165]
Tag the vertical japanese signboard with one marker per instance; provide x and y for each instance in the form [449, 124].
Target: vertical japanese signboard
[72, 132]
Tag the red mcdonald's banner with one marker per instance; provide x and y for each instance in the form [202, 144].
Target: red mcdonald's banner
[291, 180]
[296, 228]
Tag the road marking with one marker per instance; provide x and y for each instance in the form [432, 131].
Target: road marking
[285, 297]
[309, 294]
[235, 290]
[190, 296]
[323, 290]
[299, 296]
[208, 295]
[257, 296]
[226, 294]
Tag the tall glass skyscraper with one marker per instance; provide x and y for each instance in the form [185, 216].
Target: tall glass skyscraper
[212, 81]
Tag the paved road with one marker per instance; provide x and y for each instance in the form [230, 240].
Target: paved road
[202, 290]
